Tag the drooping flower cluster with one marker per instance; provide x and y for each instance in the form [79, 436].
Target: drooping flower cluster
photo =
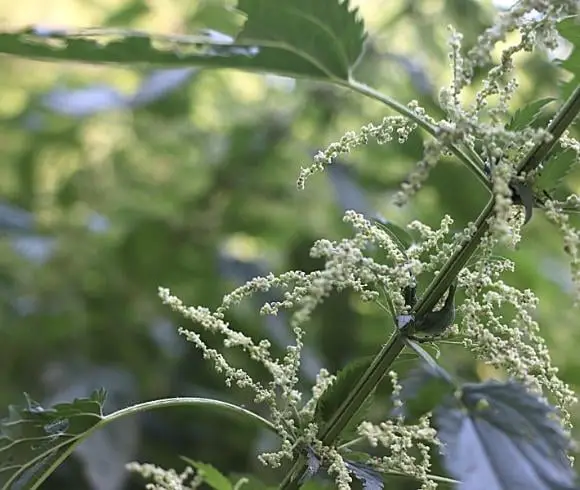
[348, 264]
[391, 127]
[371, 262]
[499, 328]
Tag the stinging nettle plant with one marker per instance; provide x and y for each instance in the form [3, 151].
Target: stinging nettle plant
[493, 435]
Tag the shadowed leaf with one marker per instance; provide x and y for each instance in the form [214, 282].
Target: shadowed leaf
[370, 478]
[422, 391]
[33, 438]
[335, 394]
[504, 438]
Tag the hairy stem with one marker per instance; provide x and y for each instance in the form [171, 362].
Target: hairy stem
[437, 289]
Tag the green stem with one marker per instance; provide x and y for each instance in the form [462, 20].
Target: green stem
[438, 287]
[143, 407]
[467, 155]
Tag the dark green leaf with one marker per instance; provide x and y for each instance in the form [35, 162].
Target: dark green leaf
[527, 115]
[369, 477]
[435, 322]
[423, 391]
[210, 475]
[335, 394]
[321, 39]
[555, 169]
[400, 236]
[504, 438]
[523, 195]
[33, 438]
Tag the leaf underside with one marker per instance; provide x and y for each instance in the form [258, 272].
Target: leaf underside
[504, 438]
[301, 38]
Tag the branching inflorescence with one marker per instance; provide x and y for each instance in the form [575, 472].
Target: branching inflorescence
[495, 320]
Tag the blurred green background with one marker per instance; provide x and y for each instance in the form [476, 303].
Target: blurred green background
[114, 181]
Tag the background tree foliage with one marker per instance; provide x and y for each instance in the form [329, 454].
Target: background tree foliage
[115, 181]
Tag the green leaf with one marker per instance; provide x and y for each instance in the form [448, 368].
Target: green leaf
[527, 115]
[210, 475]
[335, 394]
[422, 392]
[324, 36]
[321, 39]
[400, 236]
[553, 171]
[504, 437]
[34, 439]
[569, 29]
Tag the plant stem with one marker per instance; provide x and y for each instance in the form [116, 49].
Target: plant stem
[438, 287]
[467, 155]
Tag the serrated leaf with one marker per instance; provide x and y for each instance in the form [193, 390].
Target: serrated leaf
[301, 38]
[400, 236]
[527, 115]
[211, 476]
[555, 169]
[504, 437]
[33, 438]
[423, 390]
[324, 34]
[335, 394]
[369, 477]
[569, 29]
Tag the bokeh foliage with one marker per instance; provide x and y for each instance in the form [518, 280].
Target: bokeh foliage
[115, 181]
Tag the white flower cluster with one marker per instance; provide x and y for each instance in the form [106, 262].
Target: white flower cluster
[348, 264]
[496, 321]
[166, 479]
[390, 127]
[498, 327]
[398, 438]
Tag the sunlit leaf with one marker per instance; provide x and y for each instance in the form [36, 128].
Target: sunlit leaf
[33, 438]
[322, 39]
[526, 116]
[502, 438]
[569, 29]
